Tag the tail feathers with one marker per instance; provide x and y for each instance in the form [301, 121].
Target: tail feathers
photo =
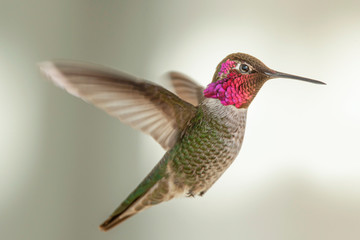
[123, 212]
[128, 208]
[144, 196]
[112, 221]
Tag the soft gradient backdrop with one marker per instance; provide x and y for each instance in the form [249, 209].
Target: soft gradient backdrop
[65, 165]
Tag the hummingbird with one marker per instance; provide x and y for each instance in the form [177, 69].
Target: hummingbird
[201, 129]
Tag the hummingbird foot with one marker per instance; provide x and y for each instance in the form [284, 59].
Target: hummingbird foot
[190, 194]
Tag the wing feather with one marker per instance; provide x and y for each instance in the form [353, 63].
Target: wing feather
[139, 103]
[186, 88]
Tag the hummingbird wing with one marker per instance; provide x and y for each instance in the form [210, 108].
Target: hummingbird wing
[139, 103]
[186, 88]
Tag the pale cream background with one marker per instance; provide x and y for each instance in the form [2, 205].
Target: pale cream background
[64, 165]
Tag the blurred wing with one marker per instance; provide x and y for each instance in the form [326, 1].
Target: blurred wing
[141, 104]
[186, 88]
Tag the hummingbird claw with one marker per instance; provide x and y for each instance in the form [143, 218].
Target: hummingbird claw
[190, 194]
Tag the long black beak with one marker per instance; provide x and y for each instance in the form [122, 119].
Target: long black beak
[275, 74]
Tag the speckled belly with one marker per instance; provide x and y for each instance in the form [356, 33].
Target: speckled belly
[206, 150]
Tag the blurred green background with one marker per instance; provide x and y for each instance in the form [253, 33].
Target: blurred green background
[65, 165]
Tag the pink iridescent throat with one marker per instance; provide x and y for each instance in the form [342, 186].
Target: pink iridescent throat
[231, 90]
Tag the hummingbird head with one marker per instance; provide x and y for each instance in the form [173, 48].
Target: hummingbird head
[239, 77]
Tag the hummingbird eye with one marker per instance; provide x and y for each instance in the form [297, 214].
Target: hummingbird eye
[244, 68]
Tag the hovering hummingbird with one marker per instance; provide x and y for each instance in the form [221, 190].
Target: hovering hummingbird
[201, 129]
